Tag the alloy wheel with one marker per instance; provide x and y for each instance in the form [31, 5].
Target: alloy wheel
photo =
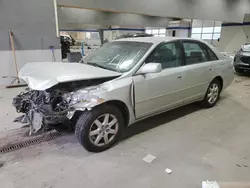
[213, 93]
[103, 130]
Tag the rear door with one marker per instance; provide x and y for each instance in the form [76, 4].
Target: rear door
[199, 70]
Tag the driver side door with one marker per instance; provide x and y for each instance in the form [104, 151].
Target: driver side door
[156, 92]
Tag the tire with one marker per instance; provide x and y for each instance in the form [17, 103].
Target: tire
[238, 70]
[93, 122]
[207, 102]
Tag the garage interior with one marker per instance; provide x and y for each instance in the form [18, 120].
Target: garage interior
[185, 147]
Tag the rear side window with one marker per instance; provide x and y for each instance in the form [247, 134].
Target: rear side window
[194, 53]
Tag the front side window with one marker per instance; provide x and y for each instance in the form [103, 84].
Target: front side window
[119, 56]
[194, 53]
[169, 55]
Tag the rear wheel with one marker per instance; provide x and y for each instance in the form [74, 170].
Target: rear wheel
[97, 130]
[212, 94]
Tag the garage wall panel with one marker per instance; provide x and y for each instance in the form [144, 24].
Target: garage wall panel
[224, 10]
[33, 25]
[31, 21]
[232, 37]
[82, 16]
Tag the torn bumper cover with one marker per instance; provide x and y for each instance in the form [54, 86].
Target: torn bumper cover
[44, 110]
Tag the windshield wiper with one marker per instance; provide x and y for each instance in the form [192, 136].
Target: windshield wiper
[92, 63]
[98, 65]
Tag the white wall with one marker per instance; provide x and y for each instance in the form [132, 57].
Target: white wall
[107, 35]
[7, 67]
[33, 25]
[232, 37]
[182, 28]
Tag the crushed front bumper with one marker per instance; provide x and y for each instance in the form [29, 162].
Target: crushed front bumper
[38, 120]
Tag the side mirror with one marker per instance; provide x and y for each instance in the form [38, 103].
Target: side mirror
[150, 68]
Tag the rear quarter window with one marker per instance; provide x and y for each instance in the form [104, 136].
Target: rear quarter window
[211, 54]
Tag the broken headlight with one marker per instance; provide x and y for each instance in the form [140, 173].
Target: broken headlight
[82, 96]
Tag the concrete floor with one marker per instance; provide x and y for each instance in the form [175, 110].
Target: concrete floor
[197, 144]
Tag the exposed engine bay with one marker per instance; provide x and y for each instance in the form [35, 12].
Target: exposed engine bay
[56, 106]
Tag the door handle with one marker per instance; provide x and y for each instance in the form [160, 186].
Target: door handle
[179, 77]
[210, 69]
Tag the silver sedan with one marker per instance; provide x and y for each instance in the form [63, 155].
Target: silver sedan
[122, 82]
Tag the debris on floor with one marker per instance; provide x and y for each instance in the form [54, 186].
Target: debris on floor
[210, 184]
[148, 158]
[169, 171]
[238, 165]
[16, 163]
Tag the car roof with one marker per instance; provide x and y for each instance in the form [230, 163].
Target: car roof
[155, 40]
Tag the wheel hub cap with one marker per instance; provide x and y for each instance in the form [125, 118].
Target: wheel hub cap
[103, 130]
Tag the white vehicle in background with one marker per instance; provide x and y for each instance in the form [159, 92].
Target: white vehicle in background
[122, 82]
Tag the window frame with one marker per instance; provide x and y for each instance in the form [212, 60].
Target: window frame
[178, 42]
[201, 46]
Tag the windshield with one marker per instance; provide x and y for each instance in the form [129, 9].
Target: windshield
[119, 56]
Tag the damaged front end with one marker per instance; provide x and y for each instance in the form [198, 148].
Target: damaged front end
[55, 107]
[41, 109]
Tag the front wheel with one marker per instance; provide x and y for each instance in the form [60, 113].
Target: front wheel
[212, 94]
[97, 130]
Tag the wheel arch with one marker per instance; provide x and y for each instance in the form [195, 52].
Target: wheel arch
[117, 103]
[121, 106]
[220, 79]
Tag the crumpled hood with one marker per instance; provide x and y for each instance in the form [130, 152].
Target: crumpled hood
[44, 75]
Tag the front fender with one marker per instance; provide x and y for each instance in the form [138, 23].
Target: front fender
[118, 90]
